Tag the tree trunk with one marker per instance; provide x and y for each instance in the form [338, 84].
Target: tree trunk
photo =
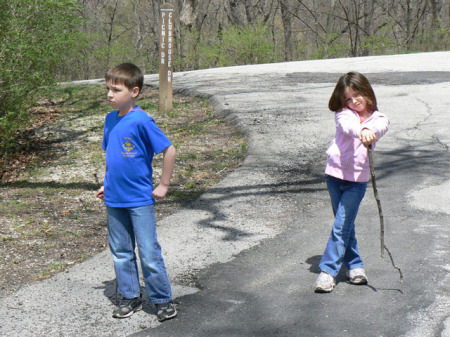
[156, 13]
[408, 22]
[250, 12]
[369, 7]
[187, 15]
[331, 17]
[286, 19]
[232, 9]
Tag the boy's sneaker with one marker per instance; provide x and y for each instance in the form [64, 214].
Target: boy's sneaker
[357, 276]
[165, 311]
[127, 307]
[325, 283]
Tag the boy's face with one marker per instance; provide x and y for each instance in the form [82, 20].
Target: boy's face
[120, 97]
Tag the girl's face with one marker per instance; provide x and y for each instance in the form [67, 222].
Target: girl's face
[355, 101]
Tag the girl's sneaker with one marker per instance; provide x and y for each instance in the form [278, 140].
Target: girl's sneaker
[165, 311]
[357, 276]
[325, 283]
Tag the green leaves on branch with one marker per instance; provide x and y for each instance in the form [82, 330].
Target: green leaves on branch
[37, 37]
[233, 45]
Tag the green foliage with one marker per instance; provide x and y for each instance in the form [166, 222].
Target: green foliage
[233, 45]
[383, 42]
[246, 45]
[438, 39]
[334, 46]
[110, 34]
[37, 38]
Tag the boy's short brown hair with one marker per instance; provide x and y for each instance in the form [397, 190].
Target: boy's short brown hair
[127, 74]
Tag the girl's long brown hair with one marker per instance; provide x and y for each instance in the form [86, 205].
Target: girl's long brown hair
[357, 82]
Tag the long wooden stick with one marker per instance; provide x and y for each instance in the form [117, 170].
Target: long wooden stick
[377, 198]
[380, 212]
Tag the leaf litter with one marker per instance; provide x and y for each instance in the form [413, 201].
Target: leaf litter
[50, 217]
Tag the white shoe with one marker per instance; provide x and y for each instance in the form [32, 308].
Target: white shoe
[325, 283]
[357, 276]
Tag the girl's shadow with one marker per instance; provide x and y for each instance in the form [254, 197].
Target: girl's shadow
[314, 261]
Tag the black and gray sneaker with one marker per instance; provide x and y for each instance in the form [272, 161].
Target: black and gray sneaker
[127, 307]
[165, 311]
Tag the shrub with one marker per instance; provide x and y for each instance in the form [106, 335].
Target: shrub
[37, 37]
[232, 45]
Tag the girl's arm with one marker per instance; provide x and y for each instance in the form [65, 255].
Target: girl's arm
[348, 123]
[379, 124]
[376, 128]
[169, 155]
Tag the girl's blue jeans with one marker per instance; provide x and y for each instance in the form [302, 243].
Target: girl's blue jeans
[342, 247]
[126, 226]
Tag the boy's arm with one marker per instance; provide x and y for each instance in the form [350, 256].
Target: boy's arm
[169, 154]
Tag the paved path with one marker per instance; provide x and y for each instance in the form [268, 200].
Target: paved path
[243, 258]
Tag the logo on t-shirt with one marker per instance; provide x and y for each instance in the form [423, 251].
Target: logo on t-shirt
[128, 146]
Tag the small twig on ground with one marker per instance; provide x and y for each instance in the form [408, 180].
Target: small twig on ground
[380, 212]
[96, 180]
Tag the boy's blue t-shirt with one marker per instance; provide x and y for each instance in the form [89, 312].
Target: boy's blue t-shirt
[130, 142]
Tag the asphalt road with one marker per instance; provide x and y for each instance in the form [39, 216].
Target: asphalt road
[243, 258]
[268, 290]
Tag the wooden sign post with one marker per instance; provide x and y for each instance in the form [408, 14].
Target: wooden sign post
[166, 60]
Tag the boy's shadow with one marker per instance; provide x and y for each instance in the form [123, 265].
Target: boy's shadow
[109, 290]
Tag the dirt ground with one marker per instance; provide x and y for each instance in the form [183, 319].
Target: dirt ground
[50, 219]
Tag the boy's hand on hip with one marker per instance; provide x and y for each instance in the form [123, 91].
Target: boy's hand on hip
[160, 192]
[101, 193]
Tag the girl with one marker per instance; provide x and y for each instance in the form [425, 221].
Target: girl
[358, 125]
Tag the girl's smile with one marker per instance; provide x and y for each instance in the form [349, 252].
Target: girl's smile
[355, 101]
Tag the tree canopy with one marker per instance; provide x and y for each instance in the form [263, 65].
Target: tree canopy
[45, 41]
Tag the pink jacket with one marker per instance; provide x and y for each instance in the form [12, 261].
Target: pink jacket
[347, 157]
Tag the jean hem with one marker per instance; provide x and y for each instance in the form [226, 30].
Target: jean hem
[356, 266]
[129, 297]
[329, 271]
[160, 301]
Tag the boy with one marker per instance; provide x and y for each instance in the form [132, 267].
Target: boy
[130, 139]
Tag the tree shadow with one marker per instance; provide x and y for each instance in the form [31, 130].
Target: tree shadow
[412, 160]
[293, 181]
[50, 184]
[216, 196]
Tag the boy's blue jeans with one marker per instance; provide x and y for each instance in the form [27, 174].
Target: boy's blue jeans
[125, 227]
[342, 247]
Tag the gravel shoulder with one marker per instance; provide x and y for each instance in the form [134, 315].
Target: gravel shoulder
[50, 218]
